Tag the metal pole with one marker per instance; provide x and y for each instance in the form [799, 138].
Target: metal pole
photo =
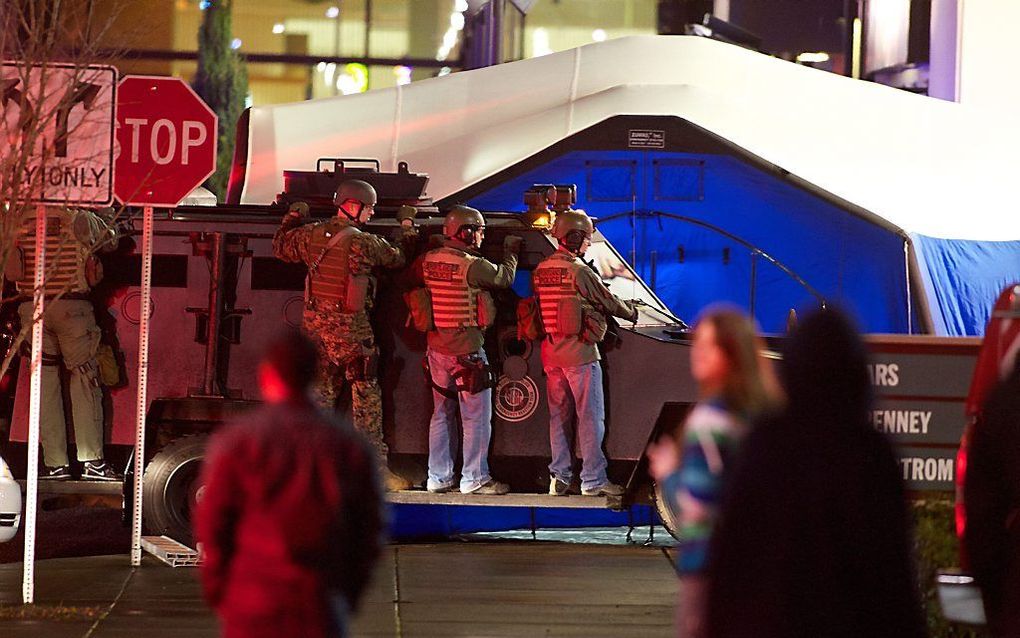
[35, 396]
[336, 49]
[143, 382]
[368, 27]
[210, 386]
[754, 277]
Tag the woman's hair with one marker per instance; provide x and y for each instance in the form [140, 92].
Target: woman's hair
[749, 383]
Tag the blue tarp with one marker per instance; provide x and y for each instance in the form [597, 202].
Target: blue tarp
[964, 278]
[639, 195]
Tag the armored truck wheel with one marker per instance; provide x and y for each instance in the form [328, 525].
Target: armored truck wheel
[171, 487]
[669, 517]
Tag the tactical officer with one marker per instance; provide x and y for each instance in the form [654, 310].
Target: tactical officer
[70, 333]
[458, 279]
[339, 293]
[574, 303]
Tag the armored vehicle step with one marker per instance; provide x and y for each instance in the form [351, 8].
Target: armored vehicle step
[418, 497]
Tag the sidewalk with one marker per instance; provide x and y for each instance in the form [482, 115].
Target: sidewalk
[451, 589]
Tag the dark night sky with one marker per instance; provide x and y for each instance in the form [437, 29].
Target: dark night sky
[792, 25]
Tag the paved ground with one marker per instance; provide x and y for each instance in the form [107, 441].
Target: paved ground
[519, 588]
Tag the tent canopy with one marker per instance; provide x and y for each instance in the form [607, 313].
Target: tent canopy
[891, 203]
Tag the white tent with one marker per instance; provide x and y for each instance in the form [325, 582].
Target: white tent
[932, 169]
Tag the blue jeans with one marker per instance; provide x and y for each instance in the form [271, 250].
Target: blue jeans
[570, 389]
[476, 421]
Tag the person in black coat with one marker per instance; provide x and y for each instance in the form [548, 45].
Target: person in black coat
[813, 537]
[992, 503]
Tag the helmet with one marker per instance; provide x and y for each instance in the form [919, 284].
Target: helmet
[460, 216]
[570, 220]
[357, 190]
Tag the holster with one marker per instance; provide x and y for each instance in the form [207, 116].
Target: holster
[365, 367]
[474, 374]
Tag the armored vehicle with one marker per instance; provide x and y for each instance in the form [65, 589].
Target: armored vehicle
[218, 293]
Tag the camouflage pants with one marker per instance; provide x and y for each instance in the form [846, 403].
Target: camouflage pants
[345, 349]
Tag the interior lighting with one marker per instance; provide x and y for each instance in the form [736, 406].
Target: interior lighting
[403, 74]
[540, 42]
[599, 35]
[330, 72]
[235, 43]
[456, 26]
[813, 57]
[332, 12]
[278, 28]
[320, 67]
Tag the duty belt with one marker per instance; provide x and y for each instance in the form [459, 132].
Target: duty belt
[315, 305]
[70, 296]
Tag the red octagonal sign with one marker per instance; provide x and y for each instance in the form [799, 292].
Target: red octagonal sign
[166, 139]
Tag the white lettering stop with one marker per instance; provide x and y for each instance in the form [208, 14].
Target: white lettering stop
[162, 147]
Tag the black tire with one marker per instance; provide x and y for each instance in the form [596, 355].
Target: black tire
[670, 519]
[171, 486]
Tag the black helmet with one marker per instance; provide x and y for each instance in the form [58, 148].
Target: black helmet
[460, 216]
[357, 190]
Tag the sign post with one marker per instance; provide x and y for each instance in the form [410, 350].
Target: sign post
[35, 396]
[66, 114]
[167, 138]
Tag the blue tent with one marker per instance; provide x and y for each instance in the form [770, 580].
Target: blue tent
[713, 224]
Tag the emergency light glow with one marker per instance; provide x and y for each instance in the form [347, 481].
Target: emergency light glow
[542, 221]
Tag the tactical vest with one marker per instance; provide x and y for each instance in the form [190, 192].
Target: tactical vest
[65, 256]
[558, 299]
[329, 273]
[454, 302]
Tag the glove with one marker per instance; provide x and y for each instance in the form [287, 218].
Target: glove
[512, 245]
[633, 304]
[296, 214]
[406, 212]
[108, 214]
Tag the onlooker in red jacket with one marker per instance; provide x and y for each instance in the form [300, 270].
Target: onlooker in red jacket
[290, 519]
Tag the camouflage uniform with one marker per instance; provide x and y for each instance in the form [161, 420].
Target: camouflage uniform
[346, 344]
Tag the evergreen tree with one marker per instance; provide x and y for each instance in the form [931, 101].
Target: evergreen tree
[222, 81]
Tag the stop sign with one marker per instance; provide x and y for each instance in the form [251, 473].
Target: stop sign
[166, 141]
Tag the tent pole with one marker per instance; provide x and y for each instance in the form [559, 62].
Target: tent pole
[926, 324]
